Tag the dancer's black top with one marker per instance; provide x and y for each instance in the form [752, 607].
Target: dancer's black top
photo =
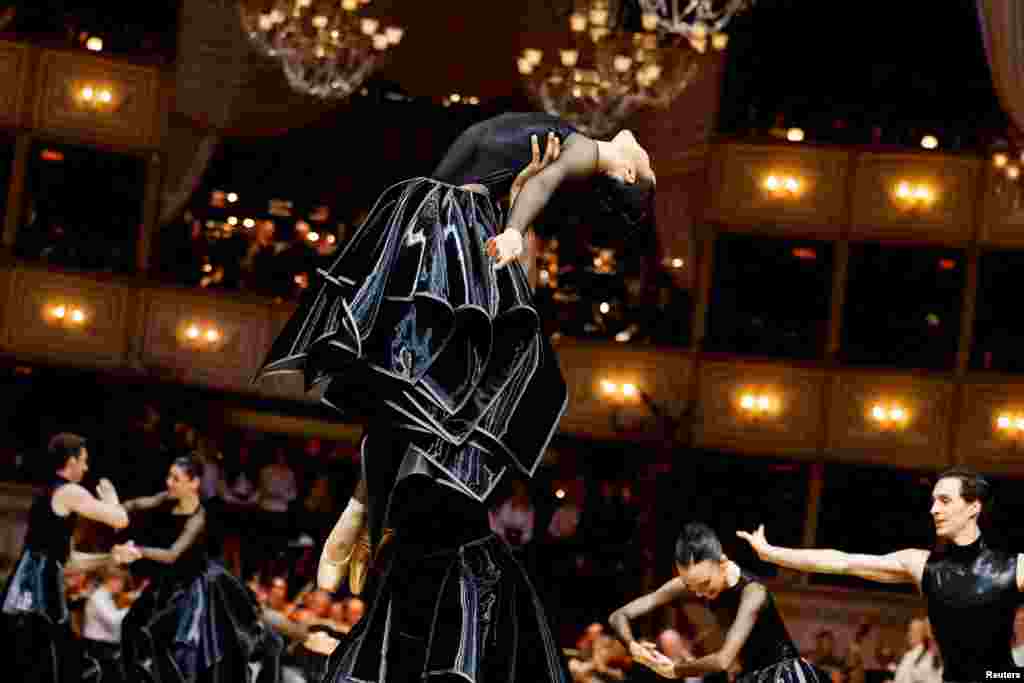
[492, 152]
[49, 533]
[768, 643]
[972, 598]
[183, 536]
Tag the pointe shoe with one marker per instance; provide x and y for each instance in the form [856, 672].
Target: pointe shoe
[361, 559]
[330, 573]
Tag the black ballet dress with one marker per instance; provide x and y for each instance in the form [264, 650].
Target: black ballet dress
[195, 622]
[37, 624]
[768, 655]
[972, 598]
[416, 333]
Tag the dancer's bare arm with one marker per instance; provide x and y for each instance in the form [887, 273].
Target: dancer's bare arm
[88, 562]
[74, 498]
[903, 566]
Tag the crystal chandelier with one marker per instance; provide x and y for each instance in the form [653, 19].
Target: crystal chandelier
[327, 48]
[609, 72]
[696, 20]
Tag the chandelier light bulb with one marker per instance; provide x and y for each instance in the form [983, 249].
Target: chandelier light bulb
[747, 402]
[1019, 424]
[878, 412]
[59, 312]
[599, 16]
[772, 183]
[622, 63]
[86, 93]
[232, 197]
[923, 193]
[792, 184]
[248, 223]
[533, 55]
[999, 159]
[94, 44]
[569, 57]
[1003, 422]
[577, 22]
[795, 135]
[319, 21]
[265, 22]
[106, 96]
[903, 190]
[609, 387]
[232, 220]
[394, 34]
[929, 142]
[192, 332]
[677, 262]
[381, 42]
[277, 16]
[1012, 171]
[212, 335]
[524, 66]
[350, 5]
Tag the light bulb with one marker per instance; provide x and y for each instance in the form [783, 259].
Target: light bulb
[94, 44]
[999, 159]
[192, 332]
[369, 25]
[795, 135]
[747, 402]
[569, 57]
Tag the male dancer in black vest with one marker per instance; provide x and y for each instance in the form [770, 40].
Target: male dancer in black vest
[972, 591]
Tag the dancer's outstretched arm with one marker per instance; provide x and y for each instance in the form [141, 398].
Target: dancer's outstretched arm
[902, 566]
[645, 653]
[146, 502]
[189, 536]
[104, 507]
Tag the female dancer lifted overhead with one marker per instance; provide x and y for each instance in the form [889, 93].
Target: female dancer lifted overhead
[424, 328]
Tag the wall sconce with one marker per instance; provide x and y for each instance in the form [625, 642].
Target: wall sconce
[756, 403]
[1010, 426]
[98, 98]
[910, 196]
[626, 391]
[783, 186]
[890, 415]
[70, 316]
[199, 336]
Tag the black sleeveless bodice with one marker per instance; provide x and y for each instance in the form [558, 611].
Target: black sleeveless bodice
[972, 597]
[492, 152]
[163, 528]
[48, 533]
[769, 642]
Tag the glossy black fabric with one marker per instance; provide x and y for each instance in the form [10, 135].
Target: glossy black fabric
[492, 152]
[36, 621]
[412, 326]
[468, 613]
[972, 597]
[195, 622]
[769, 654]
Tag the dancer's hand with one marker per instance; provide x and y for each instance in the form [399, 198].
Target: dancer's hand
[552, 151]
[757, 541]
[506, 247]
[647, 654]
[106, 492]
[126, 553]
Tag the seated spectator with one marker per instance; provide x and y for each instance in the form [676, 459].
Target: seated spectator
[101, 630]
[922, 663]
[277, 489]
[824, 652]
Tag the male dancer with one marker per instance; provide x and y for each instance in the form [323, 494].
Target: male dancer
[972, 591]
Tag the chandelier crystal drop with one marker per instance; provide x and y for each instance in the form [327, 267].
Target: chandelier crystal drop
[327, 48]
